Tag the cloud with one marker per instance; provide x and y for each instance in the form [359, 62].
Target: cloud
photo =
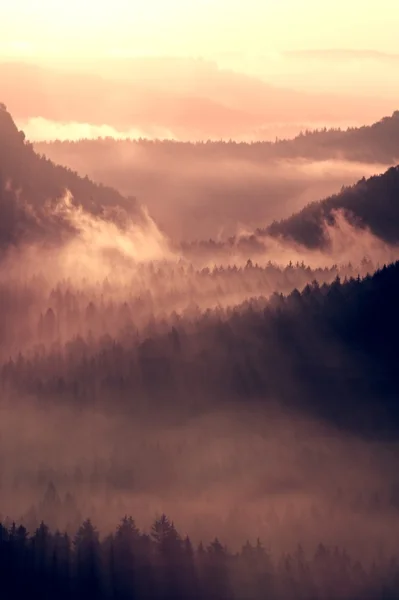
[102, 238]
[196, 101]
[40, 129]
[198, 192]
[64, 240]
[342, 55]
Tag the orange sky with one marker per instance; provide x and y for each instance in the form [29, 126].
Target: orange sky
[335, 46]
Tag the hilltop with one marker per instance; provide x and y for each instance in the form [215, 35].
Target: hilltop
[377, 143]
[31, 186]
[372, 203]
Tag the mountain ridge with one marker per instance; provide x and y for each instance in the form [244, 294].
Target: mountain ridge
[30, 185]
[375, 143]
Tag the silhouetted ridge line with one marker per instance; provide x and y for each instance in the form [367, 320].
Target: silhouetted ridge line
[376, 143]
[371, 203]
[163, 564]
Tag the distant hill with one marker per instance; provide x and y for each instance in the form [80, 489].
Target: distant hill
[372, 203]
[214, 189]
[371, 143]
[376, 143]
[31, 185]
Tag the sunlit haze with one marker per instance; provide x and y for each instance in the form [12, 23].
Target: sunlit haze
[201, 27]
[199, 291]
[346, 38]
[197, 51]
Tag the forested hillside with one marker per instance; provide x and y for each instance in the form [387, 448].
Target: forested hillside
[201, 190]
[246, 386]
[32, 187]
[310, 350]
[372, 203]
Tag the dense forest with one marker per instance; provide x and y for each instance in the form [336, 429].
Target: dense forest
[245, 386]
[325, 337]
[149, 291]
[164, 565]
[370, 205]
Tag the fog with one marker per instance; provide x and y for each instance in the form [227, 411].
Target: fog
[346, 242]
[242, 473]
[199, 315]
[213, 195]
[39, 129]
[162, 351]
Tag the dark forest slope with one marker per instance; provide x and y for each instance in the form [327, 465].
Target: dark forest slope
[330, 351]
[372, 203]
[31, 186]
[377, 143]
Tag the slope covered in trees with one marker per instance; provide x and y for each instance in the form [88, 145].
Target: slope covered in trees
[329, 350]
[253, 399]
[371, 203]
[376, 143]
[32, 189]
[215, 189]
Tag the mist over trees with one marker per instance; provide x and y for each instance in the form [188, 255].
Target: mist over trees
[246, 387]
[370, 206]
[325, 338]
[32, 187]
[376, 143]
[371, 203]
[163, 564]
[216, 190]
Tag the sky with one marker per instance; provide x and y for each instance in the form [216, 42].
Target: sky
[211, 28]
[346, 47]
